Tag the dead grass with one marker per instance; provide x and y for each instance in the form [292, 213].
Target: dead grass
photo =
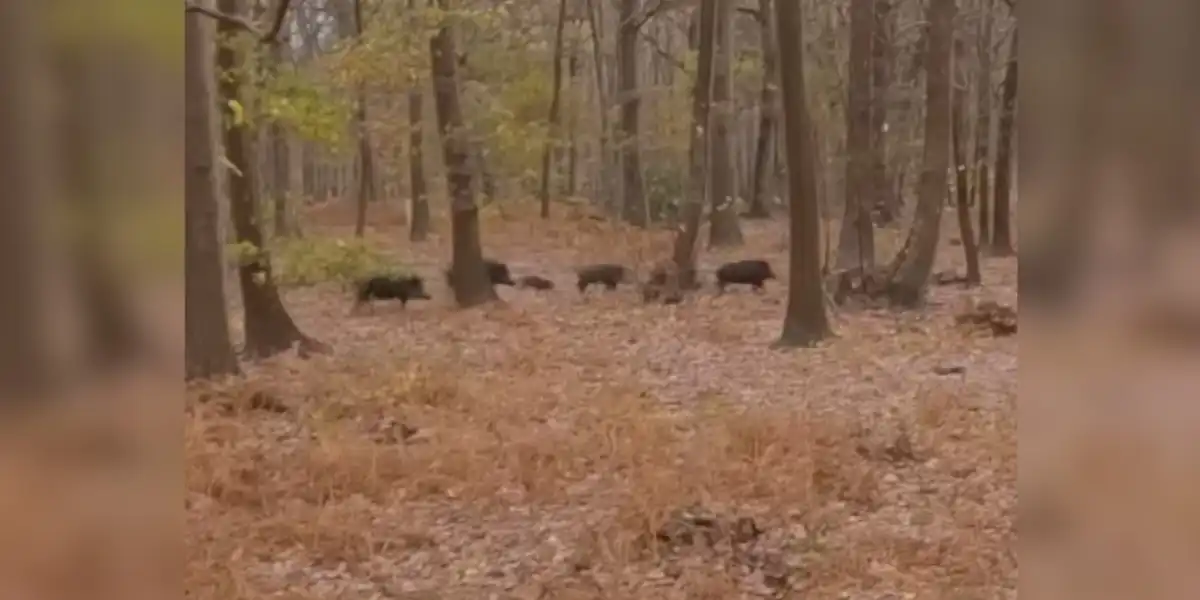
[562, 447]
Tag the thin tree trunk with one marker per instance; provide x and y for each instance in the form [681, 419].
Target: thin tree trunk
[908, 290]
[366, 157]
[856, 246]
[419, 195]
[208, 351]
[269, 328]
[764, 150]
[886, 201]
[1001, 223]
[724, 228]
[805, 322]
[555, 109]
[468, 276]
[684, 255]
[983, 123]
[573, 150]
[962, 186]
[634, 208]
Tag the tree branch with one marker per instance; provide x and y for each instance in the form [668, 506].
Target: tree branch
[266, 37]
[752, 12]
[675, 62]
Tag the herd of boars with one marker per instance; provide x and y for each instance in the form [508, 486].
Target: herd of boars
[751, 272]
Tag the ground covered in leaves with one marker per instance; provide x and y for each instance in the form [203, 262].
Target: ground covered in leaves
[559, 446]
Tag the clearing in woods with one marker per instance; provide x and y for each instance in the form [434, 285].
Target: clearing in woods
[555, 446]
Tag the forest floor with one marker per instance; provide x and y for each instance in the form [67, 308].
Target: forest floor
[558, 446]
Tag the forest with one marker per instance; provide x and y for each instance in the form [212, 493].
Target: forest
[600, 299]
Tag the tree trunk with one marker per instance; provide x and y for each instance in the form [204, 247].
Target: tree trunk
[281, 163]
[633, 203]
[572, 150]
[886, 202]
[208, 351]
[366, 158]
[908, 289]
[962, 186]
[983, 123]
[856, 244]
[269, 328]
[764, 149]
[805, 323]
[468, 276]
[684, 255]
[1001, 223]
[419, 227]
[26, 365]
[724, 229]
[555, 109]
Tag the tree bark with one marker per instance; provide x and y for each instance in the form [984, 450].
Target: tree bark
[856, 243]
[909, 288]
[684, 255]
[634, 209]
[962, 185]
[208, 351]
[886, 202]
[419, 194]
[1001, 222]
[468, 276]
[805, 322]
[764, 150]
[555, 110]
[983, 123]
[724, 229]
[269, 328]
[366, 158]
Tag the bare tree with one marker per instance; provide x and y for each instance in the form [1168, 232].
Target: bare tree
[684, 255]
[764, 151]
[555, 109]
[208, 351]
[983, 121]
[269, 327]
[724, 229]
[856, 243]
[887, 200]
[962, 186]
[365, 163]
[806, 322]
[418, 192]
[908, 289]
[1002, 244]
[468, 276]
[634, 209]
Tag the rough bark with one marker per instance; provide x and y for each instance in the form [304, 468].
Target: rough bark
[764, 149]
[983, 122]
[1002, 244]
[684, 255]
[208, 351]
[961, 182]
[886, 202]
[633, 201]
[468, 276]
[909, 287]
[555, 110]
[806, 322]
[856, 243]
[269, 328]
[724, 229]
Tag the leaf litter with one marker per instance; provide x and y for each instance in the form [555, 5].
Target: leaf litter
[566, 446]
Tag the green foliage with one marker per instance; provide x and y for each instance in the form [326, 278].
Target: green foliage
[299, 262]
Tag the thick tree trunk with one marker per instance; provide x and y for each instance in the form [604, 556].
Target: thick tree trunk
[633, 202]
[469, 277]
[805, 322]
[208, 351]
[1002, 244]
[856, 245]
[269, 328]
[724, 229]
[909, 288]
